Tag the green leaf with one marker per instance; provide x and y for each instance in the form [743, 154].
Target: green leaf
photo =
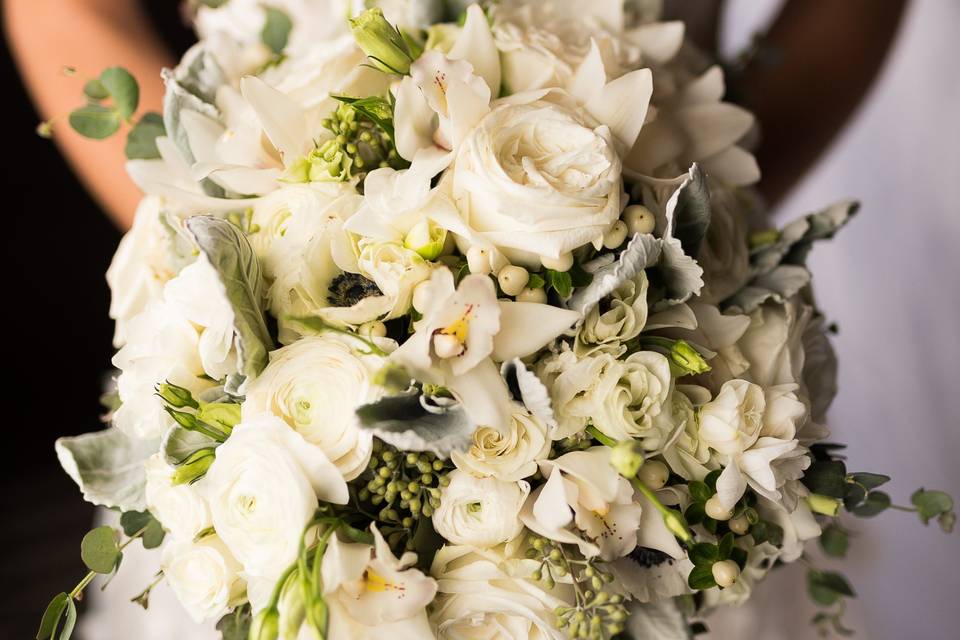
[559, 281]
[99, 550]
[536, 281]
[869, 480]
[701, 577]
[123, 89]
[931, 504]
[765, 531]
[739, 556]
[726, 546]
[700, 491]
[236, 624]
[834, 541]
[95, 90]
[69, 620]
[133, 522]
[828, 478]
[230, 253]
[695, 513]
[711, 480]
[142, 139]
[855, 496]
[276, 30]
[827, 587]
[95, 121]
[704, 553]
[376, 109]
[108, 467]
[214, 4]
[52, 616]
[876, 502]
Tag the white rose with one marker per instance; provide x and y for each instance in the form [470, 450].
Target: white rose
[480, 512]
[538, 179]
[204, 576]
[618, 397]
[181, 508]
[139, 268]
[482, 594]
[199, 295]
[773, 344]
[620, 319]
[395, 269]
[161, 346]
[506, 456]
[263, 489]
[315, 386]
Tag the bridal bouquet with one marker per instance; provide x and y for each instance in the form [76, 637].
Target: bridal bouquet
[446, 321]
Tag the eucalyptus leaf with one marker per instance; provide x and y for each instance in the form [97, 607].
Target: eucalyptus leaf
[52, 616]
[834, 541]
[276, 29]
[411, 422]
[230, 254]
[827, 587]
[931, 504]
[641, 252]
[827, 477]
[108, 466]
[142, 139]
[869, 480]
[95, 121]
[123, 89]
[236, 624]
[69, 620]
[99, 550]
[95, 90]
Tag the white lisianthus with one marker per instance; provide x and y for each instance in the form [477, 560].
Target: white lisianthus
[395, 269]
[585, 502]
[204, 576]
[618, 397]
[263, 489]
[606, 327]
[161, 346]
[686, 454]
[508, 456]
[480, 512]
[483, 594]
[372, 593]
[538, 179]
[181, 509]
[315, 385]
[200, 296]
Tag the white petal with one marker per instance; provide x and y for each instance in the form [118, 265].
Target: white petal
[622, 105]
[282, 119]
[735, 166]
[413, 120]
[659, 41]
[731, 485]
[713, 127]
[590, 77]
[475, 45]
[550, 507]
[526, 327]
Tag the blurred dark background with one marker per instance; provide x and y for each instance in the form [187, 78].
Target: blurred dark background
[57, 245]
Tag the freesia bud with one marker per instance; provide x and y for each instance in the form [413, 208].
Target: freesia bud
[627, 458]
[823, 504]
[382, 42]
[687, 358]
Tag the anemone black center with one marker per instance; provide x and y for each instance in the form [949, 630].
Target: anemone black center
[348, 289]
[647, 557]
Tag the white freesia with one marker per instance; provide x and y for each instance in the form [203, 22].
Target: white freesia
[480, 512]
[316, 385]
[585, 502]
[204, 576]
[181, 509]
[162, 346]
[507, 456]
[371, 592]
[618, 397]
[263, 489]
[482, 594]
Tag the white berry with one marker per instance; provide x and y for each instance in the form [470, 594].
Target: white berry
[615, 235]
[739, 525]
[716, 510]
[653, 474]
[639, 219]
[563, 263]
[372, 329]
[725, 572]
[446, 346]
[513, 279]
[537, 295]
[478, 260]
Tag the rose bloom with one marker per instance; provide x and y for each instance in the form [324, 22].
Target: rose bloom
[507, 456]
[204, 576]
[538, 179]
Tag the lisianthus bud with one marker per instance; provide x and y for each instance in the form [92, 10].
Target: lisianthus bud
[220, 414]
[687, 358]
[426, 239]
[266, 625]
[627, 458]
[193, 467]
[176, 396]
[382, 42]
[823, 504]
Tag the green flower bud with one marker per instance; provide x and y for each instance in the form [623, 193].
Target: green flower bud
[176, 396]
[677, 525]
[823, 504]
[383, 43]
[223, 415]
[298, 172]
[627, 458]
[426, 239]
[688, 359]
[195, 466]
[266, 625]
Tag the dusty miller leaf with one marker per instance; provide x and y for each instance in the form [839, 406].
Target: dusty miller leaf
[412, 422]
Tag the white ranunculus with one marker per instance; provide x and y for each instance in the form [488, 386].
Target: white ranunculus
[482, 594]
[139, 268]
[374, 594]
[480, 512]
[263, 488]
[618, 397]
[199, 295]
[315, 385]
[181, 509]
[161, 346]
[204, 576]
[538, 179]
[508, 456]
[620, 319]
[587, 503]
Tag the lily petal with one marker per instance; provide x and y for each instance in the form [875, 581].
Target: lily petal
[284, 122]
[527, 327]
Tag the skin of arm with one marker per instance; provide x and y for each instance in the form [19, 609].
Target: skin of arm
[89, 35]
[828, 54]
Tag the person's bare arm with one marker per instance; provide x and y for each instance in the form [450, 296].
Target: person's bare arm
[828, 54]
[90, 35]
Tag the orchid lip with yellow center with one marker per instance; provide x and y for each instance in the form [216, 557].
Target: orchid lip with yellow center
[373, 581]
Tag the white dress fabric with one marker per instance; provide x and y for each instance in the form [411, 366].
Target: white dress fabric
[891, 281]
